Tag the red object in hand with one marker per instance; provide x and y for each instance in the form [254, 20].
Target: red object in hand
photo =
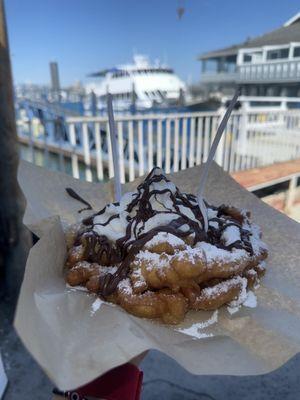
[121, 383]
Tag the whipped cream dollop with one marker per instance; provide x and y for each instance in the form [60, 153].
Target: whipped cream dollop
[157, 202]
[157, 206]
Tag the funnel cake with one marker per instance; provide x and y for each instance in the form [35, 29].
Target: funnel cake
[151, 254]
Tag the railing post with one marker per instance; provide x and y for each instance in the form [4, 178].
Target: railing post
[242, 135]
[121, 151]
[150, 145]
[74, 156]
[176, 145]
[184, 144]
[159, 144]
[98, 144]
[168, 147]
[131, 151]
[199, 146]
[283, 110]
[86, 152]
[140, 147]
[192, 142]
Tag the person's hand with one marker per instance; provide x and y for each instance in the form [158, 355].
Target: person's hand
[123, 382]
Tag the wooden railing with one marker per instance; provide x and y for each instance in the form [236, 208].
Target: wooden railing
[81, 145]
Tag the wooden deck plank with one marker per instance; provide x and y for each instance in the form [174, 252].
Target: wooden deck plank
[260, 176]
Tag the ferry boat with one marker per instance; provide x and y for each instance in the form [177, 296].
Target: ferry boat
[141, 85]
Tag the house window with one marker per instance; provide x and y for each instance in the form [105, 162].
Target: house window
[297, 51]
[211, 65]
[277, 54]
[247, 58]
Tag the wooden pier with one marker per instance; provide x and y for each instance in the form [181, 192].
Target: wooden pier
[265, 177]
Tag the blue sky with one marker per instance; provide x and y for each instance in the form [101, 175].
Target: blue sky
[88, 35]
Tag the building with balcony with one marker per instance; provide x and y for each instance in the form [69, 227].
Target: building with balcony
[268, 65]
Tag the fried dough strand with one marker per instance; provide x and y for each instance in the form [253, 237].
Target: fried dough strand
[170, 307]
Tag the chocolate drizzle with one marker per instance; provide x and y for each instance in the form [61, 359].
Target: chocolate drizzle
[71, 192]
[139, 211]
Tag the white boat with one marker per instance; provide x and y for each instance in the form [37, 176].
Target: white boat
[141, 83]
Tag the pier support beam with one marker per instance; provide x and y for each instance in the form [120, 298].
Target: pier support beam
[290, 195]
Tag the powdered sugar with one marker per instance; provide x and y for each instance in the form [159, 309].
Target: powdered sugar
[137, 276]
[77, 250]
[255, 238]
[163, 237]
[125, 286]
[84, 265]
[214, 253]
[195, 329]
[247, 299]
[76, 288]
[96, 305]
[251, 300]
[212, 320]
[153, 260]
[224, 286]
[103, 270]
[192, 254]
[233, 310]
[262, 265]
[243, 293]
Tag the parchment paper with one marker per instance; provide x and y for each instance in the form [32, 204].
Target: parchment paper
[74, 345]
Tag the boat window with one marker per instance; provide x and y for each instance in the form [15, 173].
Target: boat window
[119, 74]
[153, 71]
